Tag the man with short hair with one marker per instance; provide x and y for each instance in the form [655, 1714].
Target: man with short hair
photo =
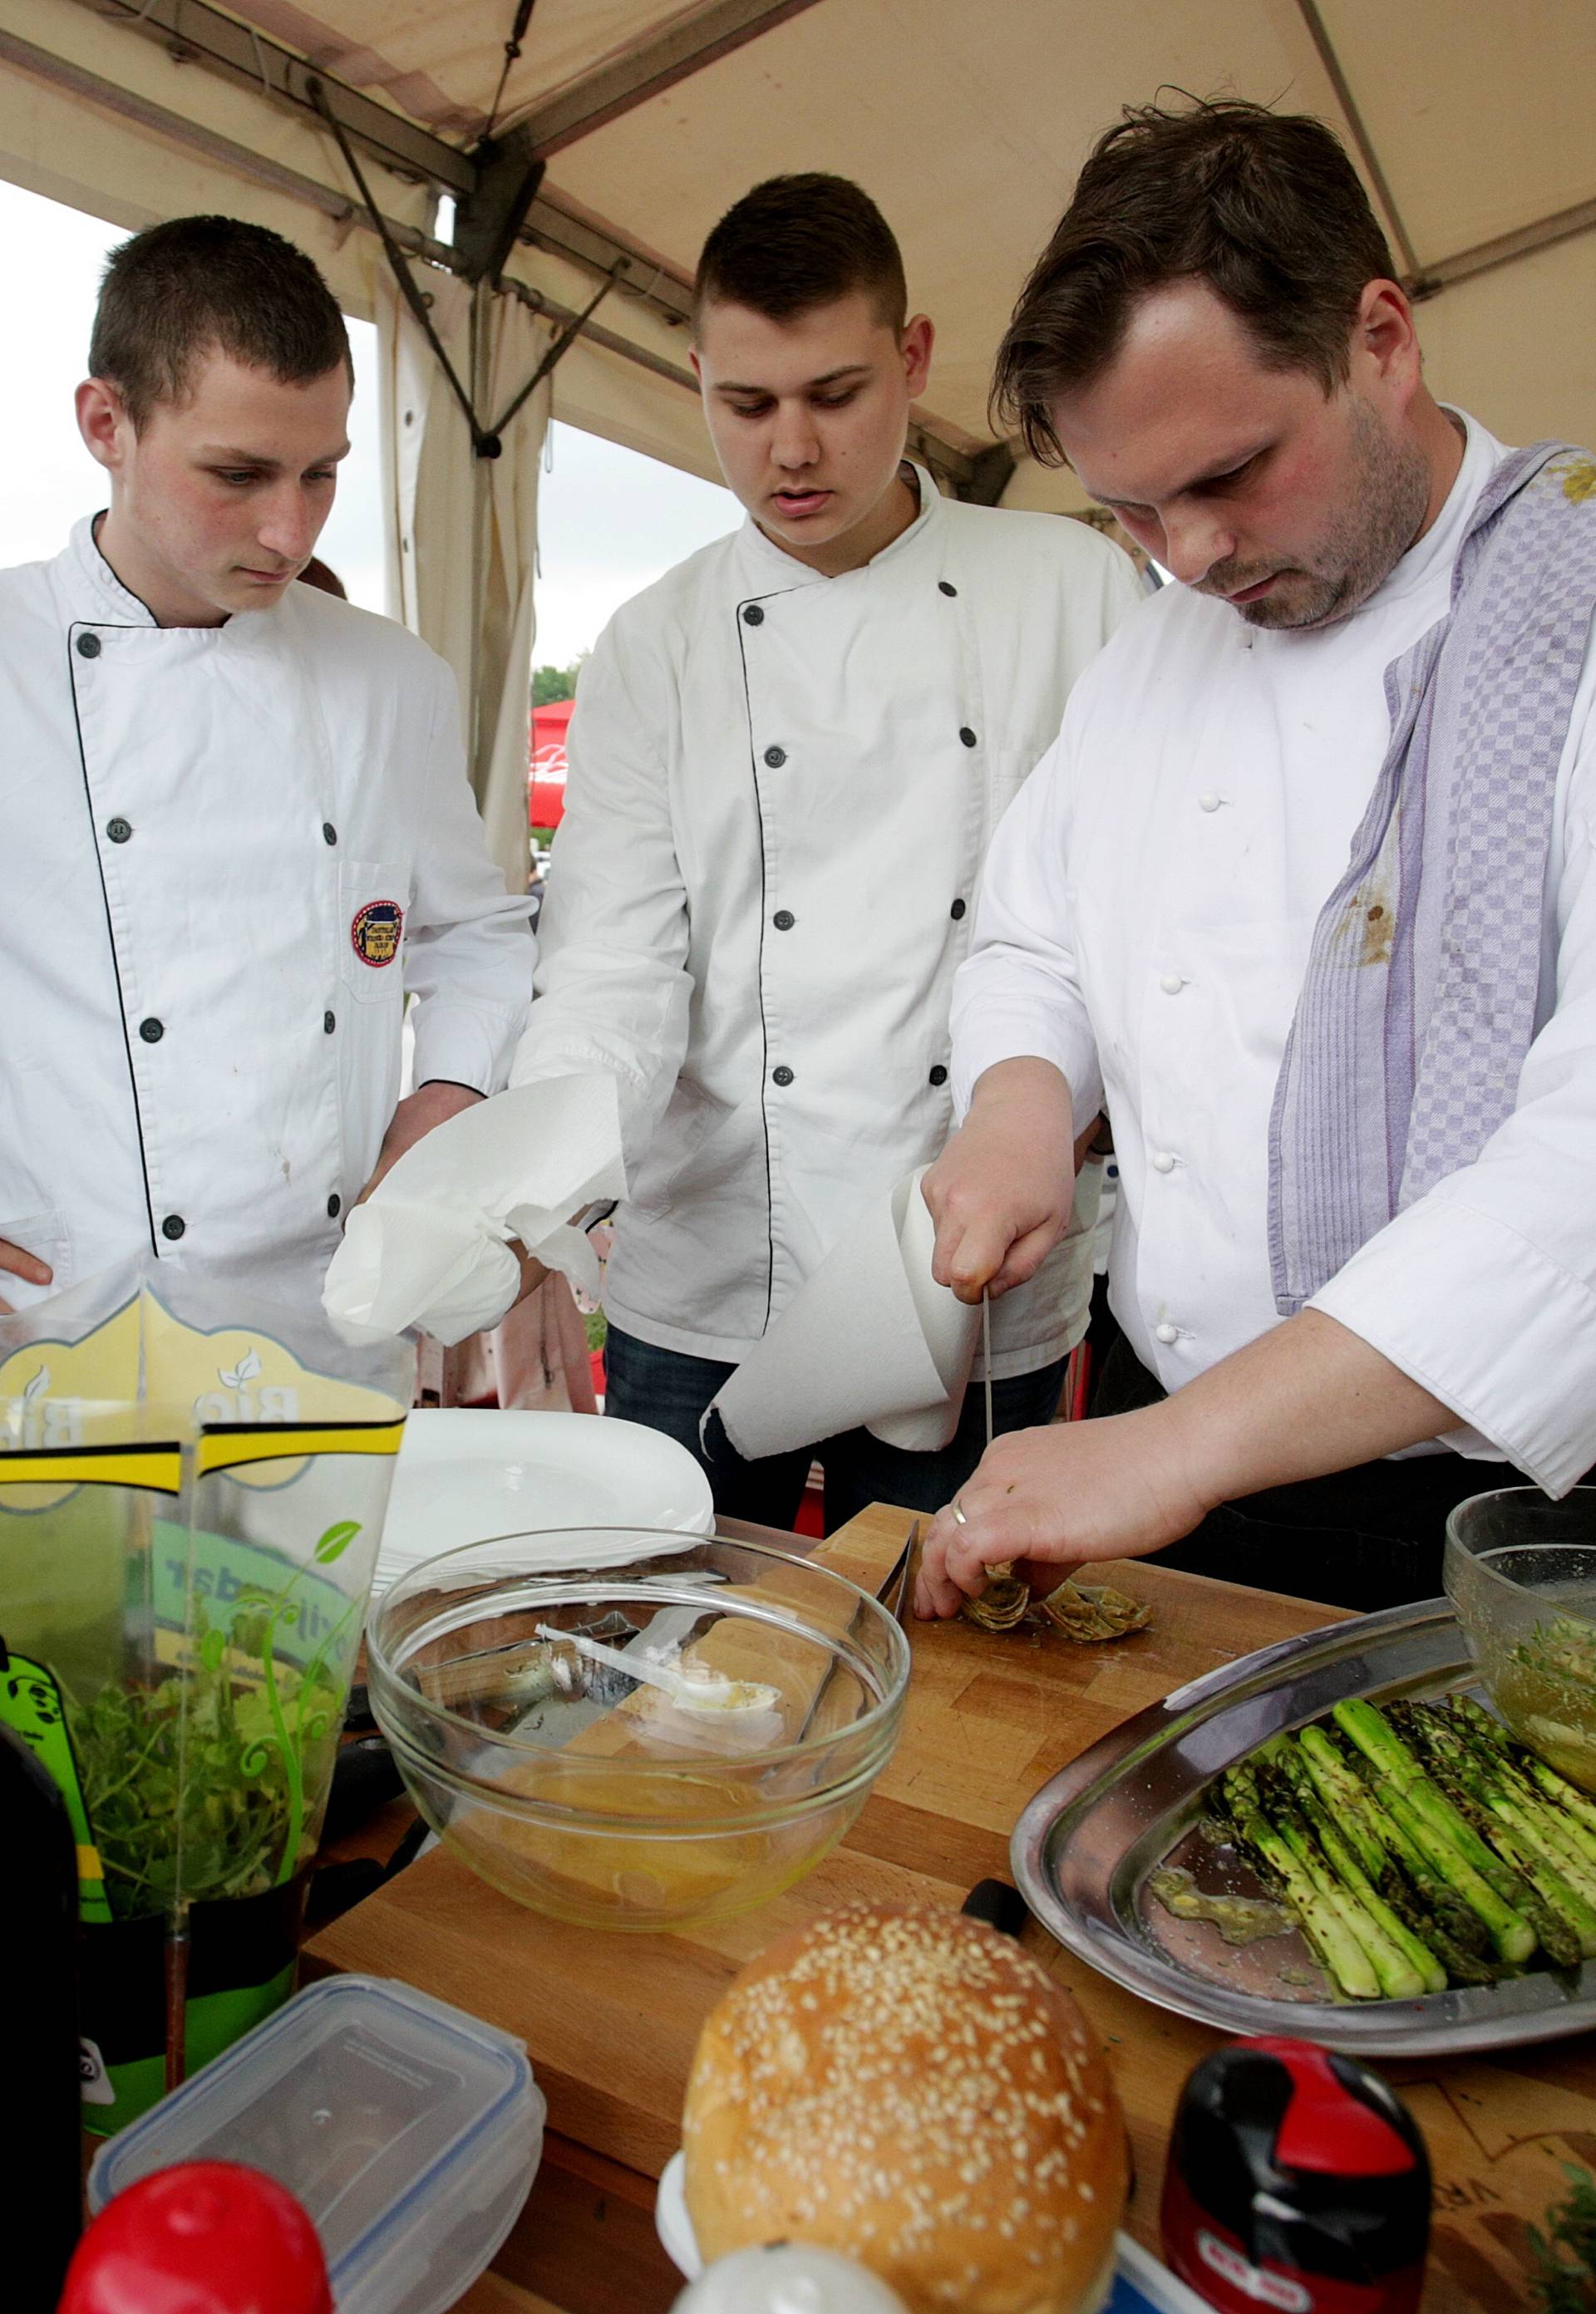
[238, 823]
[785, 764]
[1303, 895]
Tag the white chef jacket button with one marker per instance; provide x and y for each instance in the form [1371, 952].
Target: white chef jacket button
[88, 645]
[151, 1031]
[753, 617]
[967, 736]
[335, 1206]
[1171, 984]
[1162, 1162]
[1167, 1333]
[1208, 800]
[329, 1023]
[782, 1076]
[173, 1226]
[118, 829]
[329, 832]
[775, 758]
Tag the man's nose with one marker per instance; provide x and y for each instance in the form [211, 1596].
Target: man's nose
[793, 441]
[293, 524]
[1193, 542]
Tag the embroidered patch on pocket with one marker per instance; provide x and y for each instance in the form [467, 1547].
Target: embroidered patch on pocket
[375, 933]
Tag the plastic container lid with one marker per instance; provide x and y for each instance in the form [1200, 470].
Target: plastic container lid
[410, 2132]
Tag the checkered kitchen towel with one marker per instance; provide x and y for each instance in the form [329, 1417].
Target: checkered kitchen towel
[1419, 1000]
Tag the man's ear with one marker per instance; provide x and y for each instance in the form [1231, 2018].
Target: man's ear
[915, 343]
[1385, 337]
[103, 422]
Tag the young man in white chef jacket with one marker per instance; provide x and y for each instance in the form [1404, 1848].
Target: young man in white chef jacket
[786, 763]
[1305, 896]
[238, 825]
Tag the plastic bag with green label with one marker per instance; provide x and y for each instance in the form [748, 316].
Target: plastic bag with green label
[192, 1487]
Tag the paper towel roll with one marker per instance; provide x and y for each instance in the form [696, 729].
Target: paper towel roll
[871, 1338]
[430, 1247]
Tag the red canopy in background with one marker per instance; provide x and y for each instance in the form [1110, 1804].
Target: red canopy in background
[545, 778]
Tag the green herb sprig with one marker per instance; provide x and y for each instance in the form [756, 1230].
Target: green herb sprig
[1566, 2253]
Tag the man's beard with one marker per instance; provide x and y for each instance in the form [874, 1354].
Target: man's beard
[1388, 492]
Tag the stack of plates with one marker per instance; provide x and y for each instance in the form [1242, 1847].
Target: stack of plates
[467, 1475]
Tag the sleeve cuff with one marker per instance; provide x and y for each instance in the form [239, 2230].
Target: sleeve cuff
[1487, 1323]
[464, 1044]
[1021, 1032]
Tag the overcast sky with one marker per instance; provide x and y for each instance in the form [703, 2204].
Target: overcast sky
[609, 521]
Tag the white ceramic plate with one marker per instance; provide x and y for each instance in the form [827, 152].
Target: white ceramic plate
[1136, 2272]
[465, 1474]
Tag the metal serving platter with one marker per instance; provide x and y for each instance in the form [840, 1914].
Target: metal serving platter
[1084, 1847]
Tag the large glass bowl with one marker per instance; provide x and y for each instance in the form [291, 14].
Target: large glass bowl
[591, 1795]
[1520, 1571]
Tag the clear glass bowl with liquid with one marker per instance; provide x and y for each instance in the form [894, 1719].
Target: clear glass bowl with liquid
[1520, 1571]
[635, 1730]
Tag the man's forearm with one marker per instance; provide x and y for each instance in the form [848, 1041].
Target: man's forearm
[1306, 1398]
[431, 1104]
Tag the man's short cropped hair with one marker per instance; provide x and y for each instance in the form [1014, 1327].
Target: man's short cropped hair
[1263, 206]
[796, 242]
[179, 290]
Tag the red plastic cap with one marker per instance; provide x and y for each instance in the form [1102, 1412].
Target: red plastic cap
[205, 2237]
[1327, 2128]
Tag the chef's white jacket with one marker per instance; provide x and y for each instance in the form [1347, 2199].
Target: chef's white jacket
[781, 790]
[228, 852]
[1145, 925]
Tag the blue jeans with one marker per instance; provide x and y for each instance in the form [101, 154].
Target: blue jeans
[669, 1390]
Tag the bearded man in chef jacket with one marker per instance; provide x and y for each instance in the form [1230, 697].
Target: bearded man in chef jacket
[786, 762]
[238, 822]
[1305, 896]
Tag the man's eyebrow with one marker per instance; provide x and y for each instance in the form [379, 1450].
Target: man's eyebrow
[226, 454]
[1216, 472]
[831, 377]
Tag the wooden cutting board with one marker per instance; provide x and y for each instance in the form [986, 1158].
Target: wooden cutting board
[610, 2021]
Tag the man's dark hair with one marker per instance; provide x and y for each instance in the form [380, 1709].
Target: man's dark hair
[1263, 206]
[177, 291]
[796, 242]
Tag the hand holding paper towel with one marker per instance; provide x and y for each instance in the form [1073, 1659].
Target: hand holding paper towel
[430, 1247]
[871, 1338]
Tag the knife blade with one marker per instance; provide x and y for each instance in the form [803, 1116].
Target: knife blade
[986, 1355]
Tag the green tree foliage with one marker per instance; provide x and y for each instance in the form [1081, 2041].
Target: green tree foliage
[551, 683]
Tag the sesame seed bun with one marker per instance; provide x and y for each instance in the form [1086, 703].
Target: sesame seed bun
[910, 2088]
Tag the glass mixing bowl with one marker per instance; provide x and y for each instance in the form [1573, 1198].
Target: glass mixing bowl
[634, 1730]
[1520, 1571]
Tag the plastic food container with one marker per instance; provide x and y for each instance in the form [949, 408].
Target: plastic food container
[1520, 1571]
[642, 1730]
[410, 2132]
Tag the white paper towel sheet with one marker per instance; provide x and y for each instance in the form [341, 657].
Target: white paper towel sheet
[430, 1247]
[870, 1339]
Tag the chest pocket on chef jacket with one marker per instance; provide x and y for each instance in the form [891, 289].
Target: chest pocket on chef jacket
[1011, 768]
[374, 905]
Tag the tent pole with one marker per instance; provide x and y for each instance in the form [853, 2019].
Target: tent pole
[1335, 73]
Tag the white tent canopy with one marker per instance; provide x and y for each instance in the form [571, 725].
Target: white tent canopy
[624, 128]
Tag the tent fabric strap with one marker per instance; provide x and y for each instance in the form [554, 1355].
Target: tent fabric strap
[486, 441]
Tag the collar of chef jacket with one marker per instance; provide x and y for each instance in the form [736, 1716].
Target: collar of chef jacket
[770, 565]
[91, 587]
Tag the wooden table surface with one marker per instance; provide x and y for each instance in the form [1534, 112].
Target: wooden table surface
[611, 2020]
